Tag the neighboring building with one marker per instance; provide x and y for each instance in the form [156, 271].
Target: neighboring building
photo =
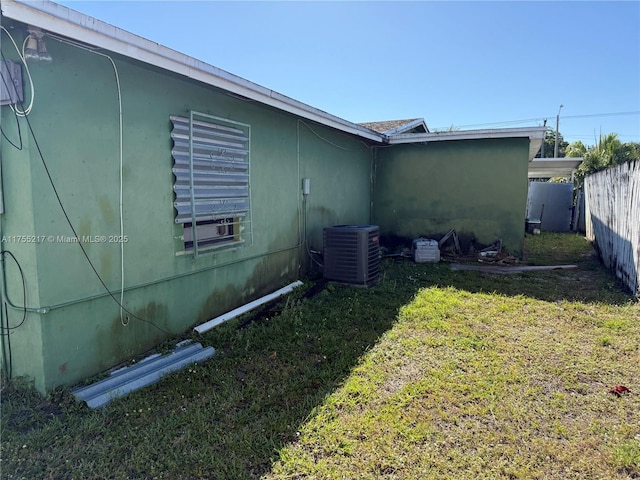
[120, 129]
[547, 168]
[393, 127]
[550, 204]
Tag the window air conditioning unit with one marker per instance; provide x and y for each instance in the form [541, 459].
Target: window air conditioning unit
[352, 254]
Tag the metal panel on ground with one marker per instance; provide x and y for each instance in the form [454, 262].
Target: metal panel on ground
[143, 374]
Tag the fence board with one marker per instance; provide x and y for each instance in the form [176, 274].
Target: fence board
[612, 201]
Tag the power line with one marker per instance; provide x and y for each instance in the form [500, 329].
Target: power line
[617, 114]
[506, 122]
[620, 135]
[541, 118]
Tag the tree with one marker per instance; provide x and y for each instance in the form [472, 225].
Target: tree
[634, 149]
[550, 142]
[631, 151]
[452, 128]
[607, 153]
[576, 149]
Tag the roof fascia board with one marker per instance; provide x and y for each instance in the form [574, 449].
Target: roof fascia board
[77, 26]
[531, 133]
[550, 173]
[559, 160]
[534, 134]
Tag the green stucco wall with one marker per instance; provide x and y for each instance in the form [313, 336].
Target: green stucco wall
[75, 120]
[477, 187]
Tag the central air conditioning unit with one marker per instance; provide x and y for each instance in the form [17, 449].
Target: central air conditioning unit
[352, 254]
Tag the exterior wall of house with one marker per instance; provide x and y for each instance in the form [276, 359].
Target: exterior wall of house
[75, 120]
[477, 187]
[20, 347]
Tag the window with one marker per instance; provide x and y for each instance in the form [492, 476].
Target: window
[212, 194]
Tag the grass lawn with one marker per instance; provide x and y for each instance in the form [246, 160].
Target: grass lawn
[431, 374]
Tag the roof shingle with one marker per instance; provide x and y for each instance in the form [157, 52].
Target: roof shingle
[387, 125]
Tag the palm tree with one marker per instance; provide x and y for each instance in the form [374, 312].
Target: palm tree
[608, 152]
[576, 149]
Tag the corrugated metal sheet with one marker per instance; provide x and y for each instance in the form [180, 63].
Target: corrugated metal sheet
[220, 171]
[147, 372]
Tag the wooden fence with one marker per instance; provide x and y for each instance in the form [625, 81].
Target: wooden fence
[612, 199]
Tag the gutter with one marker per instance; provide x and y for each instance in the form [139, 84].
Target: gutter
[63, 21]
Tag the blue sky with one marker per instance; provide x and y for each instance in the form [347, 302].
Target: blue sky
[466, 64]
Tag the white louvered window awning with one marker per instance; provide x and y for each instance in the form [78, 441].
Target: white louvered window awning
[212, 180]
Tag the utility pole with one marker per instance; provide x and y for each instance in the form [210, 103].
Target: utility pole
[544, 138]
[555, 148]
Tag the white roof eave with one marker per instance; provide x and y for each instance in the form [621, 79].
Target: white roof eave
[553, 167]
[61, 20]
[534, 134]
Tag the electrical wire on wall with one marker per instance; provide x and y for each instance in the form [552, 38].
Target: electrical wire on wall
[7, 360]
[24, 286]
[26, 111]
[121, 161]
[303, 207]
[301, 239]
[307, 247]
[5, 328]
[75, 233]
[330, 142]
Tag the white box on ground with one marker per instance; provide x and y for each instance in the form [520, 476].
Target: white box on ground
[425, 250]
